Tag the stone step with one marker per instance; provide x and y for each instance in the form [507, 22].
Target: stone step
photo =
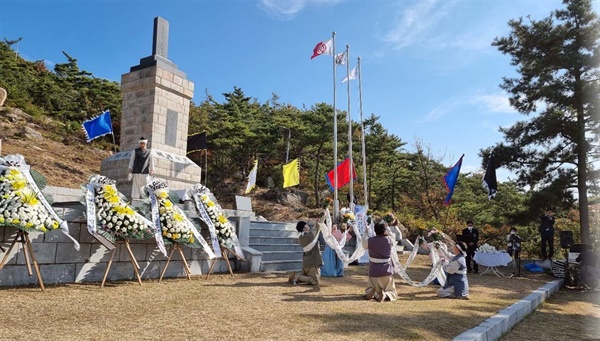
[273, 240]
[273, 225]
[269, 232]
[282, 255]
[285, 265]
[276, 247]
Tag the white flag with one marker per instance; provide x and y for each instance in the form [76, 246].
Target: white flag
[341, 58]
[252, 177]
[353, 75]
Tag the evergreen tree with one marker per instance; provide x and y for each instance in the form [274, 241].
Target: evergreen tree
[557, 59]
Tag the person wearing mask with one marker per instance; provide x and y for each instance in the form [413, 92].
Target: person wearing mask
[547, 234]
[470, 236]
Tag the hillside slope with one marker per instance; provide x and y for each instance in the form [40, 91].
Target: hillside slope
[65, 163]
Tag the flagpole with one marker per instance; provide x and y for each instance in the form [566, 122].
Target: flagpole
[205, 167]
[351, 188]
[362, 126]
[336, 207]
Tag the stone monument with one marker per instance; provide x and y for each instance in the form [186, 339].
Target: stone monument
[156, 105]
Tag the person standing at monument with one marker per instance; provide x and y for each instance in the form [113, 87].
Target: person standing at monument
[547, 233]
[470, 235]
[380, 284]
[141, 165]
[311, 260]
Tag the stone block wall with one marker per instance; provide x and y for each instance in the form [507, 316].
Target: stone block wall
[156, 104]
[60, 263]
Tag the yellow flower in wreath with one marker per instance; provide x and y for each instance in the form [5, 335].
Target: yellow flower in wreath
[55, 224]
[168, 204]
[222, 219]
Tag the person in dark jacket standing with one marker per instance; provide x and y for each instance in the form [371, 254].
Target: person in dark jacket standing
[471, 238]
[547, 233]
[141, 165]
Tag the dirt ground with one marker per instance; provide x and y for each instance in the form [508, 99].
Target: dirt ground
[261, 306]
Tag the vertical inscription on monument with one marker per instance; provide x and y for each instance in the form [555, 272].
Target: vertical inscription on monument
[171, 128]
[160, 41]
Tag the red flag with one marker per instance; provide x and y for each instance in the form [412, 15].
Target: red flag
[343, 170]
[324, 47]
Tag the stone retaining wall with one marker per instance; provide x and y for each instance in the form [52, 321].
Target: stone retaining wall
[61, 263]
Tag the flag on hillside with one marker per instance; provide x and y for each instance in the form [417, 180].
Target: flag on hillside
[196, 142]
[353, 75]
[450, 179]
[343, 170]
[341, 58]
[252, 177]
[97, 126]
[323, 47]
[291, 174]
[489, 180]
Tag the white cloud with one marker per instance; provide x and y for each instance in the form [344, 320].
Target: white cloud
[288, 9]
[496, 103]
[417, 24]
[443, 108]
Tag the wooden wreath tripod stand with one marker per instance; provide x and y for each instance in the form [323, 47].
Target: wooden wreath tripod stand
[23, 238]
[225, 256]
[186, 267]
[134, 263]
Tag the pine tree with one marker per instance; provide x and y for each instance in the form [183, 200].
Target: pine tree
[557, 59]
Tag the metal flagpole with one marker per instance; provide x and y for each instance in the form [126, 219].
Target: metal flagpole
[287, 151]
[351, 188]
[362, 126]
[206, 167]
[336, 207]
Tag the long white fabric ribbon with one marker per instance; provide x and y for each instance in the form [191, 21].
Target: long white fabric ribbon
[156, 220]
[436, 270]
[206, 218]
[311, 244]
[90, 209]
[24, 168]
[197, 235]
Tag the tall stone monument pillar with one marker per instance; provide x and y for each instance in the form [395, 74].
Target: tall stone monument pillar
[156, 105]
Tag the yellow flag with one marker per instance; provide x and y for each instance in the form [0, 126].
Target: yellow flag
[291, 174]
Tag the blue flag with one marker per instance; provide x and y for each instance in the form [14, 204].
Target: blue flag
[98, 126]
[450, 179]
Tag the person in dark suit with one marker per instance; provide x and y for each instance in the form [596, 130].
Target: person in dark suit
[470, 236]
[547, 233]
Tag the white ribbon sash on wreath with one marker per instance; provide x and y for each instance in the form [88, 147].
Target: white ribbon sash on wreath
[24, 169]
[204, 216]
[156, 223]
[197, 235]
[90, 210]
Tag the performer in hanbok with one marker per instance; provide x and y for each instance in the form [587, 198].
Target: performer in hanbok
[333, 266]
[311, 260]
[141, 165]
[457, 285]
[380, 284]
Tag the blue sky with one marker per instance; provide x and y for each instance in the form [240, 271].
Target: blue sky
[428, 67]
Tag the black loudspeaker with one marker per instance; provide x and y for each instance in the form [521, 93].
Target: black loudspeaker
[566, 239]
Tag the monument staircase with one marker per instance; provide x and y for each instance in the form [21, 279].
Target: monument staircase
[278, 242]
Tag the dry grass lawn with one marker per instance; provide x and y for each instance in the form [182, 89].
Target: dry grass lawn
[568, 315]
[254, 307]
